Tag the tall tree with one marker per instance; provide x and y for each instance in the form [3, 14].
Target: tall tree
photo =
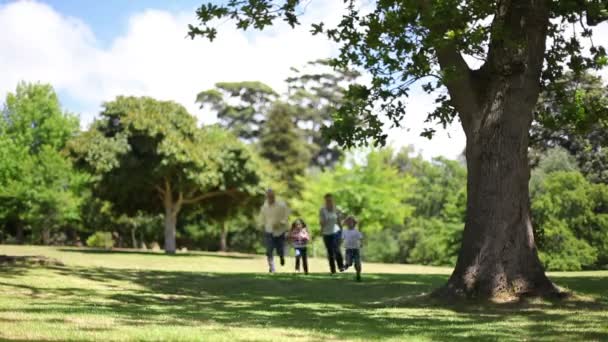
[241, 107]
[402, 42]
[317, 90]
[38, 185]
[222, 210]
[150, 156]
[283, 146]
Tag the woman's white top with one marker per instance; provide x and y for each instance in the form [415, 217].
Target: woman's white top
[329, 221]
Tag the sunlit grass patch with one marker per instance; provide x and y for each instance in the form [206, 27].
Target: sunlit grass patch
[101, 296]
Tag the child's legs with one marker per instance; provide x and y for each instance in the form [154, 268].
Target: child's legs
[357, 259]
[349, 257]
[297, 261]
[304, 256]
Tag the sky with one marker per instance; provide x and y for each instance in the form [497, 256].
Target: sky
[92, 51]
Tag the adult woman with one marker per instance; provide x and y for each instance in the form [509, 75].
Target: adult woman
[329, 220]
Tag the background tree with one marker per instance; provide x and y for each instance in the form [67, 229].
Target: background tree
[317, 90]
[433, 234]
[570, 214]
[150, 156]
[38, 186]
[12, 186]
[223, 210]
[572, 113]
[371, 190]
[241, 107]
[399, 43]
[283, 146]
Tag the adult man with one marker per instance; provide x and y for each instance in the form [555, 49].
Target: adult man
[274, 218]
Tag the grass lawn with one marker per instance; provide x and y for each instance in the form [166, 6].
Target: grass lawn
[107, 296]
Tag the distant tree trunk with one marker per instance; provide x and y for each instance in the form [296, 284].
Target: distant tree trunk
[223, 236]
[19, 233]
[170, 230]
[142, 243]
[172, 209]
[46, 236]
[133, 238]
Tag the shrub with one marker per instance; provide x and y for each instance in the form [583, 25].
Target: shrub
[100, 240]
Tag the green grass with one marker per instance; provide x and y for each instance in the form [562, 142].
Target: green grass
[106, 296]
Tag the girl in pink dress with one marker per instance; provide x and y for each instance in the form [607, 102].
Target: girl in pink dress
[299, 237]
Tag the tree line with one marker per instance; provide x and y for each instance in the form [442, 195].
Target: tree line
[146, 173]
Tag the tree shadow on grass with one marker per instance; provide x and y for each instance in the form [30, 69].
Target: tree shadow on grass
[332, 305]
[155, 253]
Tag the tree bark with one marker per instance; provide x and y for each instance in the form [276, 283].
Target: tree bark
[172, 209]
[19, 236]
[142, 243]
[46, 236]
[133, 238]
[498, 256]
[170, 230]
[224, 237]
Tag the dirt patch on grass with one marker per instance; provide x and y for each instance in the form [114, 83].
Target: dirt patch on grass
[28, 260]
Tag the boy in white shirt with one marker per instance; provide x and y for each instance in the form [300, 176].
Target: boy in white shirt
[352, 243]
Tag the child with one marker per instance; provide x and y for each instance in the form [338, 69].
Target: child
[352, 243]
[299, 237]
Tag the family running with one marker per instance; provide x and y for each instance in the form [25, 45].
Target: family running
[274, 216]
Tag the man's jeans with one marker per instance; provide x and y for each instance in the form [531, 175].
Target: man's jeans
[274, 243]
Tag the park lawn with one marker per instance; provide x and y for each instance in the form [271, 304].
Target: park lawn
[123, 295]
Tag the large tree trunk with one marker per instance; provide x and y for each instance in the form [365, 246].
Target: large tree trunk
[224, 237]
[498, 257]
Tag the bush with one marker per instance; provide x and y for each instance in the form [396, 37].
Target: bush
[382, 247]
[570, 222]
[100, 240]
[431, 241]
[562, 250]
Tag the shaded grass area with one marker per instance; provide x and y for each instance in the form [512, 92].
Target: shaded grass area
[146, 302]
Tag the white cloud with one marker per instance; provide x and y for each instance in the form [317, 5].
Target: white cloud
[153, 57]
